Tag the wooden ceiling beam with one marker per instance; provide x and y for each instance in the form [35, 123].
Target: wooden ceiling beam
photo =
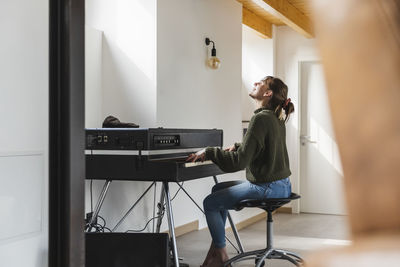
[289, 14]
[263, 27]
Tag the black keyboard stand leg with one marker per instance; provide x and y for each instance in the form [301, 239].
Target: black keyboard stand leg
[99, 203]
[233, 226]
[190, 197]
[171, 225]
[161, 209]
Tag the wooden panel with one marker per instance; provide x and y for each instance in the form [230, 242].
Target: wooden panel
[263, 27]
[259, 11]
[186, 228]
[289, 15]
[302, 5]
[282, 11]
[284, 210]
[249, 221]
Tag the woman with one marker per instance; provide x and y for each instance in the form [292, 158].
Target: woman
[264, 155]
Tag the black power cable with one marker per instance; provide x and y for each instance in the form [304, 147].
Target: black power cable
[101, 228]
[159, 216]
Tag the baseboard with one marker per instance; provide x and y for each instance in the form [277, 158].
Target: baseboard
[186, 228]
[249, 221]
[284, 210]
[259, 217]
[194, 226]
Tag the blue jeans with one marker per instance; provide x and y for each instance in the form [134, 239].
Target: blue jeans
[226, 195]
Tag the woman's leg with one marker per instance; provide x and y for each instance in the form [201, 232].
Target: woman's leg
[225, 196]
[224, 213]
[220, 256]
[223, 199]
[220, 186]
[210, 255]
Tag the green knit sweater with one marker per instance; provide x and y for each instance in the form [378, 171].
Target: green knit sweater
[263, 151]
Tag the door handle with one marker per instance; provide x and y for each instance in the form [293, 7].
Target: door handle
[306, 138]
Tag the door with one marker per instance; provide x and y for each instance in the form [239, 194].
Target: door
[321, 175]
[23, 136]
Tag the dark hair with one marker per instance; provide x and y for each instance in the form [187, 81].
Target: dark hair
[279, 100]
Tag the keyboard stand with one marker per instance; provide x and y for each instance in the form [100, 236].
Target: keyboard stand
[171, 225]
[100, 201]
[133, 206]
[165, 195]
[97, 208]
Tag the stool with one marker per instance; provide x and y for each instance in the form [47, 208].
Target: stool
[269, 205]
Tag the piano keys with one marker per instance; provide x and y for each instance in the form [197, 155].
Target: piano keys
[144, 168]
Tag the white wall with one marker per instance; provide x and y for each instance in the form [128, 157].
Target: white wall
[24, 133]
[173, 88]
[257, 62]
[290, 49]
[93, 78]
[181, 92]
[128, 58]
[190, 95]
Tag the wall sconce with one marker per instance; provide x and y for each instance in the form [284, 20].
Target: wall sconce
[213, 62]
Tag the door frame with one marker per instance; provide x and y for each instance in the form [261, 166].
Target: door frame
[66, 133]
[300, 68]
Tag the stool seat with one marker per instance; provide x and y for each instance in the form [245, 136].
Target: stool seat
[268, 204]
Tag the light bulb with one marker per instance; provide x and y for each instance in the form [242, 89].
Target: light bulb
[213, 62]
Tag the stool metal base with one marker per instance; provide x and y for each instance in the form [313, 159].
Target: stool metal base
[262, 254]
[269, 205]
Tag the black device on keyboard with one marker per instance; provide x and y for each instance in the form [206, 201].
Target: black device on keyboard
[151, 138]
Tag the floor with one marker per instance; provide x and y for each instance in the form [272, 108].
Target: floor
[301, 233]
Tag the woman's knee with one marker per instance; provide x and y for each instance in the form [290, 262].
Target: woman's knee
[207, 202]
[224, 185]
[212, 202]
[215, 188]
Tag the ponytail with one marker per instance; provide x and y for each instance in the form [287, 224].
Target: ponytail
[279, 102]
[289, 108]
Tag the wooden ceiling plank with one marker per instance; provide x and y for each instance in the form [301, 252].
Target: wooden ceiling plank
[256, 9]
[263, 27]
[289, 14]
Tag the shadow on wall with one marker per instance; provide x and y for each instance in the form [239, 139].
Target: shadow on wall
[128, 93]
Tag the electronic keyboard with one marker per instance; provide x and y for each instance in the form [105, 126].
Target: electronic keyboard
[149, 154]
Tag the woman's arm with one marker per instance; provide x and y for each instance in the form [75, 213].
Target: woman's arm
[233, 147]
[253, 142]
[200, 155]
[237, 145]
